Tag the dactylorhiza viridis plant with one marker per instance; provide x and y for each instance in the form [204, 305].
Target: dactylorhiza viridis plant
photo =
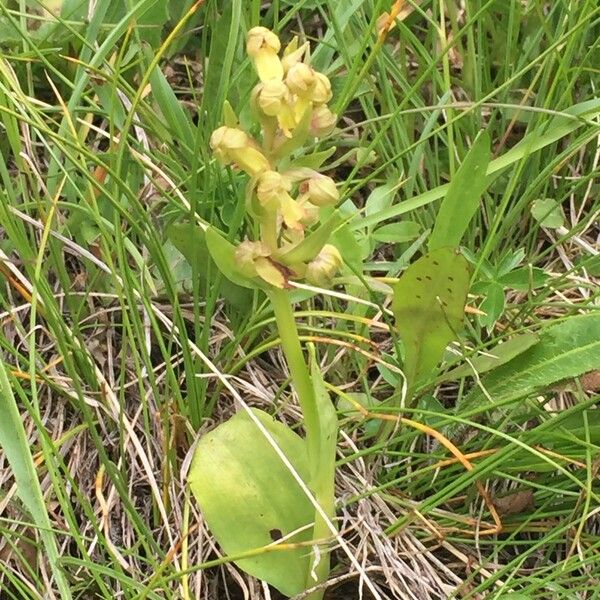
[253, 476]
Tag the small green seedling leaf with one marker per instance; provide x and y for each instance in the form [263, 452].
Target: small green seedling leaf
[548, 213]
[492, 305]
[493, 358]
[463, 196]
[347, 404]
[524, 278]
[429, 301]
[250, 499]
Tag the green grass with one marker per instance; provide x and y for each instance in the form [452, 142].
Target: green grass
[117, 349]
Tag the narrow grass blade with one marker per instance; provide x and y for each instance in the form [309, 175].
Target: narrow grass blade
[13, 441]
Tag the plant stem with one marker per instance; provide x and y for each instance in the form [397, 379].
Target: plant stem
[290, 343]
[322, 475]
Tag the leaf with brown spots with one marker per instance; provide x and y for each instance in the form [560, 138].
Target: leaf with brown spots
[429, 306]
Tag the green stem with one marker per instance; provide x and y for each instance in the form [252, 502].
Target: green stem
[290, 344]
[322, 468]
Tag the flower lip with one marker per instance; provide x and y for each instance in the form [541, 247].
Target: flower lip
[232, 145]
[262, 47]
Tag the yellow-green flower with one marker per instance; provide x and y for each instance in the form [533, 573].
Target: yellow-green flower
[232, 145]
[271, 96]
[271, 188]
[272, 191]
[323, 268]
[320, 190]
[322, 121]
[253, 260]
[262, 47]
[322, 90]
[301, 80]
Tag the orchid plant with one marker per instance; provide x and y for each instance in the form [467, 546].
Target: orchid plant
[256, 506]
[266, 493]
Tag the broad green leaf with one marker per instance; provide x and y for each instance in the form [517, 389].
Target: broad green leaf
[190, 241]
[548, 213]
[348, 244]
[566, 349]
[249, 498]
[493, 358]
[463, 196]
[396, 233]
[18, 453]
[314, 160]
[429, 301]
[328, 423]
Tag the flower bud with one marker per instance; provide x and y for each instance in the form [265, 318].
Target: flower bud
[262, 47]
[322, 269]
[272, 188]
[301, 79]
[322, 91]
[271, 97]
[320, 190]
[322, 122]
[232, 145]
